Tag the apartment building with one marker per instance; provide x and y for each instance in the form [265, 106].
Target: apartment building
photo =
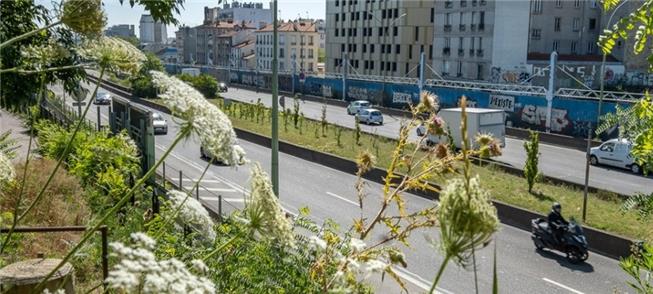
[299, 44]
[239, 12]
[569, 27]
[474, 36]
[121, 30]
[151, 31]
[235, 45]
[383, 37]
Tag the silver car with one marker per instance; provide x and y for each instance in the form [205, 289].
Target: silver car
[370, 116]
[102, 98]
[355, 106]
[159, 123]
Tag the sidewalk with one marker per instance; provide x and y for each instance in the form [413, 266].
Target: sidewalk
[9, 121]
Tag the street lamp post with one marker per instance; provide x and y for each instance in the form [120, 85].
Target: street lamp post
[275, 103]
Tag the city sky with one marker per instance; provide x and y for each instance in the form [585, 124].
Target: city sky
[193, 13]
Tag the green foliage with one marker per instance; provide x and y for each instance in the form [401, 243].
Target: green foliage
[8, 146]
[642, 203]
[637, 25]
[639, 266]
[141, 84]
[204, 83]
[295, 112]
[18, 18]
[357, 130]
[161, 10]
[532, 158]
[323, 119]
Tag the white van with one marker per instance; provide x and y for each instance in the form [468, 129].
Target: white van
[615, 152]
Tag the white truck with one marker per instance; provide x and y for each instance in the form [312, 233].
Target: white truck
[479, 121]
[191, 71]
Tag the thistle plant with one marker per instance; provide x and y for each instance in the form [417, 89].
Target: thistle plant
[295, 112]
[323, 119]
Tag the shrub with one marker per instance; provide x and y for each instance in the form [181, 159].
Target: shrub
[532, 158]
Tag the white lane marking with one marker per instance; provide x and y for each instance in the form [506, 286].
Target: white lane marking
[211, 189]
[342, 198]
[229, 200]
[417, 280]
[176, 180]
[570, 289]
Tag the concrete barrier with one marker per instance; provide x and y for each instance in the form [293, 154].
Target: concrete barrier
[600, 242]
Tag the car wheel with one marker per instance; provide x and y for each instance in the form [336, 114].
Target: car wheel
[594, 160]
[635, 168]
[419, 133]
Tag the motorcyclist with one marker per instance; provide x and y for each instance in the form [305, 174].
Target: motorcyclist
[557, 223]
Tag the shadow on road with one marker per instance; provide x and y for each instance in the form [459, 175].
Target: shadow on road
[562, 261]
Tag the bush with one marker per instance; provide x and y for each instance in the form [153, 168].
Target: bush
[532, 158]
[141, 84]
[203, 83]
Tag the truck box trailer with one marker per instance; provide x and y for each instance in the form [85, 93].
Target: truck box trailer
[479, 121]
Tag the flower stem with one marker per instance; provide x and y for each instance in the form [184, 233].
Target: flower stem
[225, 244]
[182, 135]
[181, 205]
[21, 71]
[63, 155]
[28, 34]
[440, 272]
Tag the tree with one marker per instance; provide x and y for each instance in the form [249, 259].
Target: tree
[532, 159]
[20, 17]
[142, 85]
[204, 83]
[161, 10]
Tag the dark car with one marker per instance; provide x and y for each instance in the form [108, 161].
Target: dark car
[222, 87]
[102, 98]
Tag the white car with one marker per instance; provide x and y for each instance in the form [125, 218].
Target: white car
[159, 123]
[370, 116]
[356, 106]
[615, 152]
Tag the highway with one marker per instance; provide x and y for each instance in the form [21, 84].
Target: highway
[330, 194]
[555, 161]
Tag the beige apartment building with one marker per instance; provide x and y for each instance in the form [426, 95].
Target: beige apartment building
[299, 44]
[383, 38]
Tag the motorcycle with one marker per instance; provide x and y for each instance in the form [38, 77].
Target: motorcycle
[573, 242]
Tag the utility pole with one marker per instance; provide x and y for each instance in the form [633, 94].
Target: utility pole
[294, 72]
[421, 72]
[345, 64]
[551, 91]
[275, 102]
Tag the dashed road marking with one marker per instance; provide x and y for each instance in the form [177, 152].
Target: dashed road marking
[342, 198]
[570, 289]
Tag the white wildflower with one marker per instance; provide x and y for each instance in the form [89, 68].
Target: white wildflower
[138, 269]
[212, 126]
[143, 240]
[375, 266]
[58, 291]
[191, 212]
[40, 57]
[114, 54]
[352, 264]
[317, 243]
[264, 212]
[357, 244]
[7, 173]
[200, 266]
[84, 16]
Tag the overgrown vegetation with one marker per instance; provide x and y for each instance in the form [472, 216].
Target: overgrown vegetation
[141, 83]
[205, 83]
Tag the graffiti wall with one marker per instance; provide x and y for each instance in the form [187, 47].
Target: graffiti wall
[573, 117]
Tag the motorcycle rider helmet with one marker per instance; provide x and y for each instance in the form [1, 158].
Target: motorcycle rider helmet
[556, 207]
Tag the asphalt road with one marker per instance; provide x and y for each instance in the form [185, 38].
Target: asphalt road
[330, 194]
[555, 161]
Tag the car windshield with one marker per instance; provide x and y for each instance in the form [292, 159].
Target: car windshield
[364, 104]
[156, 116]
[103, 95]
[376, 113]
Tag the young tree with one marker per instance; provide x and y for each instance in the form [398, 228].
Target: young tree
[532, 158]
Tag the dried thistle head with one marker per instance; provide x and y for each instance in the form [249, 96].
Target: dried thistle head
[441, 151]
[436, 126]
[84, 17]
[428, 102]
[365, 161]
[467, 219]
[488, 146]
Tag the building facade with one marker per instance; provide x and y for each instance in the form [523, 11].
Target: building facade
[152, 31]
[238, 12]
[379, 37]
[121, 30]
[299, 44]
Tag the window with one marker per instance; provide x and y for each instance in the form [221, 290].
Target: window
[555, 45]
[310, 40]
[471, 43]
[479, 71]
[592, 24]
[481, 21]
[447, 19]
[396, 12]
[395, 31]
[281, 55]
[302, 53]
[576, 24]
[460, 43]
[342, 32]
[559, 3]
[590, 47]
[364, 48]
[430, 51]
[459, 72]
[410, 51]
[366, 64]
[380, 31]
[537, 6]
[371, 64]
[416, 33]
[394, 66]
[574, 44]
[342, 49]
[577, 3]
[447, 42]
[310, 53]
[536, 34]
[432, 14]
[460, 18]
[336, 32]
[556, 24]
[383, 13]
[337, 17]
[371, 48]
[397, 49]
[594, 4]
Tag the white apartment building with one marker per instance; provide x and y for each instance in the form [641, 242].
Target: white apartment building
[237, 12]
[379, 37]
[151, 31]
[473, 36]
[299, 44]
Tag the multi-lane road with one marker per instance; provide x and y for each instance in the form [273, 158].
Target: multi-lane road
[330, 194]
[556, 162]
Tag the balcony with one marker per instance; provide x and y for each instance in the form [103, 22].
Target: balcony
[463, 3]
[461, 27]
[448, 4]
[461, 52]
[472, 27]
[471, 52]
[446, 51]
[481, 27]
[479, 52]
[447, 28]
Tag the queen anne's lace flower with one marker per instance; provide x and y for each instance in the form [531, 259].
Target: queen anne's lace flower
[200, 266]
[467, 220]
[114, 54]
[317, 243]
[138, 269]
[40, 57]
[192, 213]
[375, 266]
[7, 172]
[356, 244]
[264, 212]
[84, 16]
[212, 126]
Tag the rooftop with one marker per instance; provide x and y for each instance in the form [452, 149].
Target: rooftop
[303, 26]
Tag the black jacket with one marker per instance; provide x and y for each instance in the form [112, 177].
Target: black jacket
[556, 220]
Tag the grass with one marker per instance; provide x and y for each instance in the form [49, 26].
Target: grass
[603, 211]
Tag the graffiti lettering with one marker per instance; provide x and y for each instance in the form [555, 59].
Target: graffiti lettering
[233, 76]
[357, 93]
[536, 115]
[504, 102]
[405, 98]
